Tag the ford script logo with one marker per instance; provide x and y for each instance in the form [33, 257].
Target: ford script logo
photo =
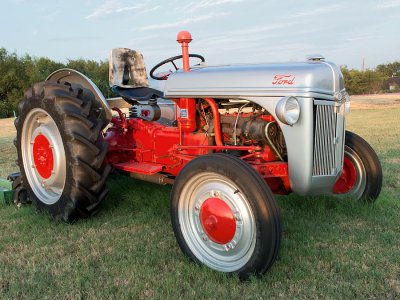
[283, 80]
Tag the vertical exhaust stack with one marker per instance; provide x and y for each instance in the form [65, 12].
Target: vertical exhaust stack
[187, 106]
[184, 38]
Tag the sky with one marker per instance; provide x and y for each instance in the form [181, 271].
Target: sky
[224, 31]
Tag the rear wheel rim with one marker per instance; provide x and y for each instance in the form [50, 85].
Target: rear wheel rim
[353, 175]
[223, 251]
[43, 156]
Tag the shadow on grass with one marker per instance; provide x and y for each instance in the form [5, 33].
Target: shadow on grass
[315, 205]
[127, 194]
[136, 198]
[149, 202]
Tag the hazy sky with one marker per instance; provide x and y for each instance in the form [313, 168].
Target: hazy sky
[223, 31]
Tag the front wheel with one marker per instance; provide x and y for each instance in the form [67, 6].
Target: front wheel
[361, 176]
[224, 215]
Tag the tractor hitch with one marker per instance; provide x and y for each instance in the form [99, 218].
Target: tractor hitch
[6, 193]
[12, 190]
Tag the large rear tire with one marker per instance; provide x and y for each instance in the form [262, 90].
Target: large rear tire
[361, 176]
[61, 150]
[225, 216]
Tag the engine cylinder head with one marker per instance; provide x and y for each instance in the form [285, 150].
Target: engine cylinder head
[254, 130]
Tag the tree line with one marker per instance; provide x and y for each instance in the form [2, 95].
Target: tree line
[370, 81]
[18, 73]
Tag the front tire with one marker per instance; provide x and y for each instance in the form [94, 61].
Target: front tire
[61, 150]
[225, 216]
[361, 176]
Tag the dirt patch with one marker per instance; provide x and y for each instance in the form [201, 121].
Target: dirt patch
[393, 160]
[378, 101]
[7, 127]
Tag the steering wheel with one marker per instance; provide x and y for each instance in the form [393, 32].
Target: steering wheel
[171, 60]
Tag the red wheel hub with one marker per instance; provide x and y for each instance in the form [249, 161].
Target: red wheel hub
[43, 156]
[347, 179]
[217, 220]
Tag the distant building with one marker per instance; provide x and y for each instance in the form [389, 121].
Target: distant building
[393, 83]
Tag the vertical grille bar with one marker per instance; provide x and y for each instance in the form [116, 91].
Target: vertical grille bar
[325, 140]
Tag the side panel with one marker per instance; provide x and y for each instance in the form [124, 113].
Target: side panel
[299, 140]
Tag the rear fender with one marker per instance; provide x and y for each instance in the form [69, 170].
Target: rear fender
[73, 76]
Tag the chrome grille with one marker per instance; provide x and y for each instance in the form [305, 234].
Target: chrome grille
[325, 140]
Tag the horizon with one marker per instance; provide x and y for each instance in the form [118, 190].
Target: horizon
[222, 30]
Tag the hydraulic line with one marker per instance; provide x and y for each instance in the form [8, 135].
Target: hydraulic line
[217, 125]
[236, 121]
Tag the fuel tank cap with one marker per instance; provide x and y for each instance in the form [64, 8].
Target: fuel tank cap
[315, 57]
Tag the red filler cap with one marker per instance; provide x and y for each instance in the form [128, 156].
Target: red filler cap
[184, 37]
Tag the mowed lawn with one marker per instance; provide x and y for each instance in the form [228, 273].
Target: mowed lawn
[330, 248]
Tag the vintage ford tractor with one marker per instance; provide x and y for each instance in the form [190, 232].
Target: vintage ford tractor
[227, 138]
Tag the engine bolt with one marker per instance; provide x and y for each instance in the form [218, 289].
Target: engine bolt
[229, 246]
[216, 194]
[237, 216]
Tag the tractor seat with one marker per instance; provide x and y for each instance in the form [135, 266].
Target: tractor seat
[128, 76]
[137, 94]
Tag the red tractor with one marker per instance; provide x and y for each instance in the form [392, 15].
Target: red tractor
[227, 138]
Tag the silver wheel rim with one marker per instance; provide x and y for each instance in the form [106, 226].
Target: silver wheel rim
[48, 190]
[227, 257]
[361, 180]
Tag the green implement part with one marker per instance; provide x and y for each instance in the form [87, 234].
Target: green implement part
[6, 193]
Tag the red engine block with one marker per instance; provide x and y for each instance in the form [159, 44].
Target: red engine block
[151, 143]
[147, 147]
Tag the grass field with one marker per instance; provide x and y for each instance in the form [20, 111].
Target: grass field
[330, 248]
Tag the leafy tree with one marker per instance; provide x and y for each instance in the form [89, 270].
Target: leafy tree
[389, 70]
[15, 78]
[96, 71]
[18, 73]
[363, 82]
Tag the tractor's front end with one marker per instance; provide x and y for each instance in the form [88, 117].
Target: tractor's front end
[307, 101]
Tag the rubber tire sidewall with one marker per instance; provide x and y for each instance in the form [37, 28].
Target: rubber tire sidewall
[371, 164]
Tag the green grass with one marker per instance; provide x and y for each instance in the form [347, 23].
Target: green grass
[330, 248]
[8, 155]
